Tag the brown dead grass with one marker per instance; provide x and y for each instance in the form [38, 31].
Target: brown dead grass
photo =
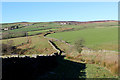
[108, 60]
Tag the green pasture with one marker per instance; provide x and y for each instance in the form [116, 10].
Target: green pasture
[16, 41]
[94, 37]
[37, 26]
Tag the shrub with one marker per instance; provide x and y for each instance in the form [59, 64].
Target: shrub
[79, 45]
[7, 49]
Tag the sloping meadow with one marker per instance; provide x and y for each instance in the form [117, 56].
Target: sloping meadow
[100, 46]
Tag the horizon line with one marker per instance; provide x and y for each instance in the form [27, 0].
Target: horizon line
[54, 21]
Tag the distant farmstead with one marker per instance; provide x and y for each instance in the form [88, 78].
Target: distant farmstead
[5, 29]
[63, 23]
[67, 22]
[9, 28]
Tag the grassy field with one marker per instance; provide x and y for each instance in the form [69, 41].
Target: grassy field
[95, 38]
[107, 60]
[37, 26]
[17, 41]
[93, 71]
[38, 44]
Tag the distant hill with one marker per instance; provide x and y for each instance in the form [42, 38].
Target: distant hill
[75, 22]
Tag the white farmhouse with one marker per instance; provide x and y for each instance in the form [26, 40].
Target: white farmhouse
[5, 29]
[63, 23]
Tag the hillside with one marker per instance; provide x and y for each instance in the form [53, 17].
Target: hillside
[99, 51]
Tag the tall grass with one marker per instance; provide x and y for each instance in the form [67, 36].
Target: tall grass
[108, 59]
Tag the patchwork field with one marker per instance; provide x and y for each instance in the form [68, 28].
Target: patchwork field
[99, 52]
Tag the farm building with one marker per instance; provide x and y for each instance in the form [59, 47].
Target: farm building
[6, 29]
[9, 28]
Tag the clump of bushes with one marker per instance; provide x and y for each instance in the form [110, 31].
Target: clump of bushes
[79, 44]
[8, 48]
